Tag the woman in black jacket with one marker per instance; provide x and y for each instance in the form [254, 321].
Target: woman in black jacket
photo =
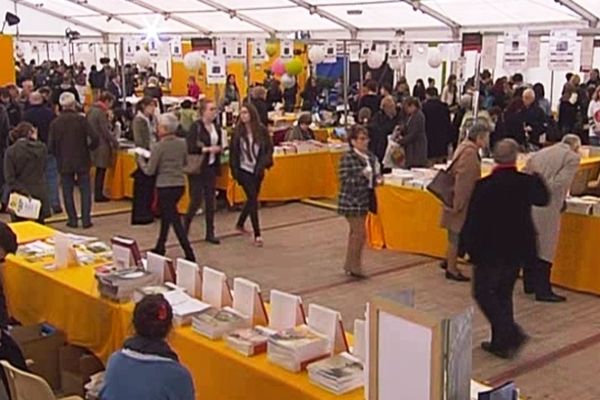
[258, 97]
[309, 94]
[204, 138]
[383, 124]
[250, 155]
[568, 111]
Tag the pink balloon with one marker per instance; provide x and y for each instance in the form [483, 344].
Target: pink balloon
[278, 67]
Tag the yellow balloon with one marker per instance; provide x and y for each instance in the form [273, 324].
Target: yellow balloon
[294, 67]
[271, 49]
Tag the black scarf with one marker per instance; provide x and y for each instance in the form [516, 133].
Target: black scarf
[153, 347]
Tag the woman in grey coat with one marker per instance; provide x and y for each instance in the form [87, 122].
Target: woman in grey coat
[414, 140]
[102, 156]
[558, 165]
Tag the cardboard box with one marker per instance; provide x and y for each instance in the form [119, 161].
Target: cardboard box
[77, 365]
[40, 343]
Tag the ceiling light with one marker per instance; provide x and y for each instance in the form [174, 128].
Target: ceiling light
[354, 12]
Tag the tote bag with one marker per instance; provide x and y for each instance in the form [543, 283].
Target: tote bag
[442, 185]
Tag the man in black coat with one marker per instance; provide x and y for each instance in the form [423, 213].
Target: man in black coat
[70, 140]
[499, 236]
[437, 126]
[534, 118]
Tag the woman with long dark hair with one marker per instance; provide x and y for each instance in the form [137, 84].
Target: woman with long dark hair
[251, 153]
[232, 93]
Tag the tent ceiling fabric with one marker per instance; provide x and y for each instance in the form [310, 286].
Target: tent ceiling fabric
[282, 17]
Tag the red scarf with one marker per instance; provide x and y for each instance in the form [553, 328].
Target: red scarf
[503, 167]
[101, 105]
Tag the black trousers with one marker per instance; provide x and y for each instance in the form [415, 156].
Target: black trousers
[143, 194]
[202, 187]
[251, 184]
[99, 183]
[168, 197]
[536, 278]
[493, 286]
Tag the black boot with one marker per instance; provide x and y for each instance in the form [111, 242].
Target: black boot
[544, 291]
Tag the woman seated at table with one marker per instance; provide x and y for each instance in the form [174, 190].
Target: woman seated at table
[25, 166]
[146, 367]
[301, 132]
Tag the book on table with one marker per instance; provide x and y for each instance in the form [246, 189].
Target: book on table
[120, 285]
[126, 253]
[214, 323]
[249, 341]
[339, 374]
[508, 391]
[295, 348]
[184, 306]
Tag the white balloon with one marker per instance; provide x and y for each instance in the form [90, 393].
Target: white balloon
[316, 54]
[193, 61]
[374, 60]
[142, 58]
[434, 58]
[396, 64]
[288, 81]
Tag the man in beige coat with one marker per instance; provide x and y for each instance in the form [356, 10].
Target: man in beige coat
[558, 165]
[466, 170]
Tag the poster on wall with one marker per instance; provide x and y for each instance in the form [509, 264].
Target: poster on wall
[515, 50]
[587, 53]
[489, 51]
[222, 47]
[216, 69]
[259, 53]
[561, 50]
[238, 50]
[330, 52]
[153, 47]
[287, 50]
[365, 49]
[176, 48]
[393, 51]
[406, 52]
[130, 49]
[354, 52]
[533, 52]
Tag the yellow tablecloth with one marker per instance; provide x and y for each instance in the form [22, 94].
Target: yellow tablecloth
[408, 220]
[293, 177]
[69, 300]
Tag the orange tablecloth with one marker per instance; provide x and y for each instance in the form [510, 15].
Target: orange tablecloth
[408, 220]
[69, 300]
[293, 177]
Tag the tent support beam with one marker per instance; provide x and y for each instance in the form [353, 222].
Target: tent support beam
[588, 16]
[57, 15]
[235, 14]
[417, 5]
[183, 21]
[100, 11]
[324, 14]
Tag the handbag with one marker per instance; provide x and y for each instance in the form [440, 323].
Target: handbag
[442, 185]
[194, 164]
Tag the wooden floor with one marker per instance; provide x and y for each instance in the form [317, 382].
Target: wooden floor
[303, 254]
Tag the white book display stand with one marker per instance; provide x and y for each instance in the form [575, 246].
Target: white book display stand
[329, 323]
[188, 277]
[248, 301]
[215, 290]
[286, 311]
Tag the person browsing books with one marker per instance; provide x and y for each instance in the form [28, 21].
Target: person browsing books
[146, 367]
[25, 167]
[251, 154]
[167, 160]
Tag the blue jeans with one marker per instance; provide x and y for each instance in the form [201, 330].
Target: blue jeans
[68, 184]
[52, 181]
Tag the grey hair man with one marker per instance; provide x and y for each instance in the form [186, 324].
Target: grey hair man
[70, 141]
[500, 237]
[557, 165]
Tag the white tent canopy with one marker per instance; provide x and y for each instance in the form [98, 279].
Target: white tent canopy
[341, 19]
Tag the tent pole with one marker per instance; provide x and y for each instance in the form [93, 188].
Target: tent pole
[551, 87]
[123, 86]
[345, 82]
[248, 66]
[477, 84]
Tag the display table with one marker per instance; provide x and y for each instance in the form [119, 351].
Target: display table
[292, 177]
[69, 300]
[408, 220]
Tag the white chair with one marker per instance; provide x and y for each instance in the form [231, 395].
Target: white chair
[25, 386]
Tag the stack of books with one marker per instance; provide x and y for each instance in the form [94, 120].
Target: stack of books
[120, 285]
[249, 341]
[140, 293]
[295, 348]
[184, 306]
[214, 323]
[339, 374]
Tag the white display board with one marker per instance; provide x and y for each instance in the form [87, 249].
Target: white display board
[562, 50]
[404, 359]
[515, 50]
